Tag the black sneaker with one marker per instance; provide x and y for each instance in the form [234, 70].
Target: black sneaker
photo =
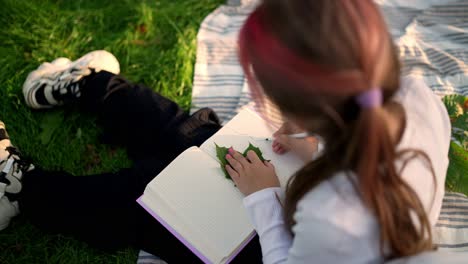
[59, 81]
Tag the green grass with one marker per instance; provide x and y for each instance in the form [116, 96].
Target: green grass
[155, 42]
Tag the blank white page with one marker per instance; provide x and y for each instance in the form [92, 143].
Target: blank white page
[195, 188]
[163, 210]
[246, 124]
[249, 123]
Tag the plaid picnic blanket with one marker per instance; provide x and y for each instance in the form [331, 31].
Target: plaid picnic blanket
[432, 36]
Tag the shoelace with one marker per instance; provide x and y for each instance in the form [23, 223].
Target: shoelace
[66, 85]
[21, 163]
[13, 162]
[12, 173]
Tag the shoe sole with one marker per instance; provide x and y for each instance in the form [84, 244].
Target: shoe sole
[4, 226]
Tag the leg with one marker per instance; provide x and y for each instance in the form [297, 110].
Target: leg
[132, 115]
[97, 209]
[101, 210]
[140, 119]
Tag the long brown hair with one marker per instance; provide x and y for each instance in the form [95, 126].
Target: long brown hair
[311, 58]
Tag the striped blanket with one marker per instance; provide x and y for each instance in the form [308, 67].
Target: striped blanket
[432, 36]
[451, 231]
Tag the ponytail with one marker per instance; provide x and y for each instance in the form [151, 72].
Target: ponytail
[404, 226]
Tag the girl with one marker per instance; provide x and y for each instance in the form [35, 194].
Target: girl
[330, 67]
[375, 191]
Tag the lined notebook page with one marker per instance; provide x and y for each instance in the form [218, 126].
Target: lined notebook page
[194, 187]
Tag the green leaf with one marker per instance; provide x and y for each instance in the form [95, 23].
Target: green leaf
[221, 153]
[255, 149]
[454, 104]
[457, 173]
[460, 129]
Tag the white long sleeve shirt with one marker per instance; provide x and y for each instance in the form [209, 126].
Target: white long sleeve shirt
[332, 223]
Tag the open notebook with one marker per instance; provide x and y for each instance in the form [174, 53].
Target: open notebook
[192, 198]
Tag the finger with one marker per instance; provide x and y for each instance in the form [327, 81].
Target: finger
[234, 174]
[282, 151]
[274, 144]
[276, 149]
[238, 157]
[252, 156]
[236, 165]
[269, 164]
[284, 142]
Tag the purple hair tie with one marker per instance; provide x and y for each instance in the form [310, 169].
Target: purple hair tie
[370, 98]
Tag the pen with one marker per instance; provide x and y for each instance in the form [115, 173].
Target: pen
[299, 135]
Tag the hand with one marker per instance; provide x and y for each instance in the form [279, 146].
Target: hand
[304, 148]
[250, 174]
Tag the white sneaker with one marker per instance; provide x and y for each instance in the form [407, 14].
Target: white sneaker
[53, 83]
[59, 62]
[8, 210]
[11, 173]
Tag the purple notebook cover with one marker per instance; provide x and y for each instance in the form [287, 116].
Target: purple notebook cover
[185, 242]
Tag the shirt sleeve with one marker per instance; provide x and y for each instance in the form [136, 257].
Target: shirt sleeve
[266, 214]
[315, 240]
